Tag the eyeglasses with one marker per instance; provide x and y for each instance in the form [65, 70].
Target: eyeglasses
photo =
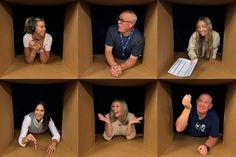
[122, 21]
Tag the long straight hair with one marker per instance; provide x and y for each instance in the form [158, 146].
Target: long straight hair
[124, 111]
[208, 38]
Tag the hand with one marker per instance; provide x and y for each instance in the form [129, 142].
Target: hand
[135, 120]
[52, 147]
[202, 149]
[105, 119]
[116, 70]
[213, 61]
[194, 58]
[35, 45]
[31, 138]
[187, 101]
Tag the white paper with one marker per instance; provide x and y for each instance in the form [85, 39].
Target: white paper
[183, 67]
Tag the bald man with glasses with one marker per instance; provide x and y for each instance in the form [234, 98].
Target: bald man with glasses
[124, 42]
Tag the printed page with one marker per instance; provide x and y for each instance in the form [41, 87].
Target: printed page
[183, 67]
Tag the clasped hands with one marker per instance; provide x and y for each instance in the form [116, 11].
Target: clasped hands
[34, 45]
[116, 70]
[51, 147]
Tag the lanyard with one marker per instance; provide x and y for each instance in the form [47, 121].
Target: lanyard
[124, 45]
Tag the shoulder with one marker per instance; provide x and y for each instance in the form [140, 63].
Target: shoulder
[27, 36]
[48, 36]
[194, 34]
[212, 113]
[215, 34]
[112, 28]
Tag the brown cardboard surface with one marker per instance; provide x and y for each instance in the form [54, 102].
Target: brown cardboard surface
[7, 37]
[165, 117]
[6, 116]
[150, 118]
[118, 147]
[202, 2]
[165, 39]
[150, 35]
[43, 140]
[22, 72]
[70, 117]
[185, 145]
[229, 118]
[229, 47]
[100, 70]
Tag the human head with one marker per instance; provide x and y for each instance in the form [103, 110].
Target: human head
[35, 25]
[204, 103]
[203, 26]
[41, 112]
[119, 110]
[126, 21]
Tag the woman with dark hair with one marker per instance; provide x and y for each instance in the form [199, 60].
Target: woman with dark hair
[38, 122]
[119, 121]
[204, 42]
[36, 40]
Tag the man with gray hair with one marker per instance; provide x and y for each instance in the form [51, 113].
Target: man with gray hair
[200, 120]
[123, 41]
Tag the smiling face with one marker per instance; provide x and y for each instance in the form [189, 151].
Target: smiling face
[39, 112]
[40, 28]
[204, 104]
[202, 28]
[116, 109]
[125, 23]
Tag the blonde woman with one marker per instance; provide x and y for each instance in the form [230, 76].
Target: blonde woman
[119, 121]
[36, 41]
[204, 42]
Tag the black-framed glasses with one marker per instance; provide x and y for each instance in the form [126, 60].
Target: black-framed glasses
[122, 20]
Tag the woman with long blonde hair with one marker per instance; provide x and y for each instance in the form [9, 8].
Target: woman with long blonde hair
[119, 121]
[204, 42]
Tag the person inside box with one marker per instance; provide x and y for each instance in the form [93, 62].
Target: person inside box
[123, 41]
[204, 42]
[200, 120]
[36, 41]
[38, 122]
[119, 121]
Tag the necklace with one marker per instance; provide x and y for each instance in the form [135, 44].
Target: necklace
[124, 45]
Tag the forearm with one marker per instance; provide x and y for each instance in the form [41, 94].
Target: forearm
[109, 57]
[129, 129]
[182, 121]
[108, 130]
[44, 57]
[211, 141]
[30, 56]
[129, 63]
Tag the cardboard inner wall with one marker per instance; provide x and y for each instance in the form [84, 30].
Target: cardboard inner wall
[6, 31]
[120, 2]
[165, 37]
[202, 2]
[6, 116]
[150, 117]
[229, 138]
[165, 117]
[150, 35]
[229, 47]
[70, 117]
[41, 2]
[86, 118]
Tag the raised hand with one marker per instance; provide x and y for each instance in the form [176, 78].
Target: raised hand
[135, 120]
[187, 101]
[104, 118]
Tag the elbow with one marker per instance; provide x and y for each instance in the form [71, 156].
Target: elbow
[179, 129]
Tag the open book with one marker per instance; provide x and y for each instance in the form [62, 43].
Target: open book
[183, 67]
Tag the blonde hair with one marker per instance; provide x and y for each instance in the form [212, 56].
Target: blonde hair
[31, 23]
[124, 111]
[208, 38]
